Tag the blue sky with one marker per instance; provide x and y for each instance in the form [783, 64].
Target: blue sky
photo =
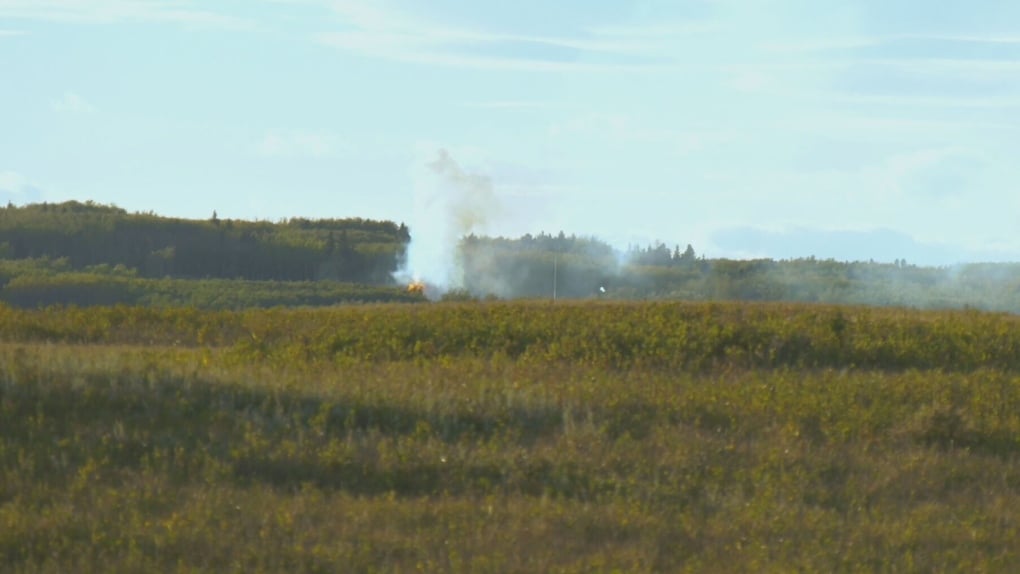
[781, 128]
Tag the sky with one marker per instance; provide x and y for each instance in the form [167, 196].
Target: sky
[857, 130]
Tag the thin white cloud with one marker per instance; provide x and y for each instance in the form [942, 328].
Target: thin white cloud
[976, 102]
[72, 103]
[865, 127]
[967, 66]
[907, 164]
[626, 129]
[184, 12]
[943, 65]
[971, 38]
[820, 45]
[378, 31]
[697, 141]
[300, 144]
[401, 50]
[824, 44]
[906, 100]
[542, 190]
[446, 52]
[659, 30]
[399, 26]
[780, 81]
[509, 105]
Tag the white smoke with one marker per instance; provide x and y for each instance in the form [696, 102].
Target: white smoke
[449, 203]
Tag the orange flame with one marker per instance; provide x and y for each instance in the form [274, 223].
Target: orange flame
[416, 288]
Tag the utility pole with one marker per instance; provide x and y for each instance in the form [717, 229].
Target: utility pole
[556, 263]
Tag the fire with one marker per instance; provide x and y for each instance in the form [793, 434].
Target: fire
[416, 288]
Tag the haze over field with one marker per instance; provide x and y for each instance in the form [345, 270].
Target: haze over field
[772, 128]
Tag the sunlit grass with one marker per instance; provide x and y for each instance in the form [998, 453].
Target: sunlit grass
[258, 451]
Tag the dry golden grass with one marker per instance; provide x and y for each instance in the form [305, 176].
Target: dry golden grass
[132, 447]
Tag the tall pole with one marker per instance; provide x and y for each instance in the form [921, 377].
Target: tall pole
[555, 272]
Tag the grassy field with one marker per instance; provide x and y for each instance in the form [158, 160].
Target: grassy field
[510, 437]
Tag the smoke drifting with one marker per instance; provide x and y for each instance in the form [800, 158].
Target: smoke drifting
[449, 203]
[455, 209]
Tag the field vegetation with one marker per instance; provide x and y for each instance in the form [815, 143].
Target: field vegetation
[39, 283]
[509, 437]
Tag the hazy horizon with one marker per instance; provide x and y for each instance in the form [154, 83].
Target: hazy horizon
[773, 128]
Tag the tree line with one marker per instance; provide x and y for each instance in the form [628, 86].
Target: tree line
[89, 234]
[577, 267]
[93, 254]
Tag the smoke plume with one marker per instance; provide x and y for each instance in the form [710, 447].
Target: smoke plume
[449, 203]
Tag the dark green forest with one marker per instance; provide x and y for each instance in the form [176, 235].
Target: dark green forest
[92, 254]
[89, 234]
[85, 254]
